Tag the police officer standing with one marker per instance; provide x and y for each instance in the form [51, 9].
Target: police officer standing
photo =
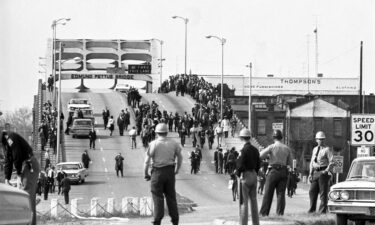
[163, 152]
[280, 156]
[320, 166]
[18, 153]
[248, 164]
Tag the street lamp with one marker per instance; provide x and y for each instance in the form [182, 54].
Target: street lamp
[186, 20]
[161, 59]
[250, 66]
[76, 59]
[61, 21]
[222, 41]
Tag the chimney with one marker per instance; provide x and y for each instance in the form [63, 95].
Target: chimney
[320, 75]
[270, 75]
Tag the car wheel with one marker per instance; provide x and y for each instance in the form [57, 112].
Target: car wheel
[83, 181]
[341, 219]
[73, 136]
[360, 222]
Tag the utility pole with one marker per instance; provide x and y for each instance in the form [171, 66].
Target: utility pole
[360, 80]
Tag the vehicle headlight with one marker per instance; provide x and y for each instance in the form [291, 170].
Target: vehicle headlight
[334, 195]
[344, 195]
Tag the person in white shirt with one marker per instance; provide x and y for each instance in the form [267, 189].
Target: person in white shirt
[219, 134]
[133, 136]
[225, 125]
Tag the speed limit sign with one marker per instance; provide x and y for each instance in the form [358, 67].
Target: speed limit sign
[338, 162]
[363, 129]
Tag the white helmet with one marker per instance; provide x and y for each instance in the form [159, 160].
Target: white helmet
[161, 128]
[245, 133]
[320, 135]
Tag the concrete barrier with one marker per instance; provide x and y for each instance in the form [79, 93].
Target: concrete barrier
[130, 205]
[54, 208]
[145, 206]
[94, 207]
[110, 205]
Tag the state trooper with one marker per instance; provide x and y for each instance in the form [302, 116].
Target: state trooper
[280, 157]
[162, 153]
[248, 164]
[18, 153]
[319, 176]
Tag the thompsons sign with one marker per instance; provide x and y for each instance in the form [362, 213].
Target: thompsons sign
[268, 86]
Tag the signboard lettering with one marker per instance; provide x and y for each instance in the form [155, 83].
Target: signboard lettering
[363, 129]
[105, 76]
[140, 69]
[278, 126]
[363, 151]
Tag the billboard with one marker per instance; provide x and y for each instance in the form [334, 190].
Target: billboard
[269, 86]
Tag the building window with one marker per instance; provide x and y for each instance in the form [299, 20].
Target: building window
[318, 124]
[294, 129]
[261, 126]
[337, 127]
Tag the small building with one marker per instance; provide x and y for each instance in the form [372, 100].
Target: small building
[305, 120]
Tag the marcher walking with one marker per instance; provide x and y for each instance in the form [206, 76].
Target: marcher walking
[248, 165]
[280, 157]
[92, 137]
[111, 125]
[65, 183]
[319, 176]
[86, 159]
[119, 166]
[19, 154]
[59, 178]
[163, 153]
[133, 136]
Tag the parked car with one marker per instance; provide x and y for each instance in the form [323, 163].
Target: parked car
[122, 87]
[354, 199]
[81, 127]
[14, 206]
[75, 171]
[87, 114]
[78, 103]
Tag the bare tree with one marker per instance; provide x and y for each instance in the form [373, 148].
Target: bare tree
[20, 121]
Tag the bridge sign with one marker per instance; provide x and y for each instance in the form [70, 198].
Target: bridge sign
[363, 129]
[139, 69]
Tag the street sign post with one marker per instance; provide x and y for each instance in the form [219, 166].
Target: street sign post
[363, 129]
[338, 161]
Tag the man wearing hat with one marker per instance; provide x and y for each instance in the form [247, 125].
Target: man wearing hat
[162, 153]
[19, 154]
[248, 164]
[280, 157]
[320, 167]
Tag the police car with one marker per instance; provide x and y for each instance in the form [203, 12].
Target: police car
[78, 103]
[354, 199]
[75, 171]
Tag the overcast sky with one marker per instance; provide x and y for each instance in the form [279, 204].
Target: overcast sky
[274, 35]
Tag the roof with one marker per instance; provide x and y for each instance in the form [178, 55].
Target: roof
[65, 163]
[368, 158]
[318, 108]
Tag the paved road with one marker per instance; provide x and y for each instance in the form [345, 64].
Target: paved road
[207, 189]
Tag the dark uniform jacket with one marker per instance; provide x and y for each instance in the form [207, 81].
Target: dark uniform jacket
[65, 184]
[16, 151]
[248, 159]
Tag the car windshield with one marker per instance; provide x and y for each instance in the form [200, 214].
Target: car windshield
[69, 167]
[79, 101]
[83, 123]
[362, 170]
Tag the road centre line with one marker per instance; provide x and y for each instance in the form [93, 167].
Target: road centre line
[106, 170]
[103, 159]
[101, 148]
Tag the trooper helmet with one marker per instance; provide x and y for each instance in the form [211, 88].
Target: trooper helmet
[320, 135]
[161, 128]
[245, 133]
[277, 134]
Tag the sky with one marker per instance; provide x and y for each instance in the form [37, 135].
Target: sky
[276, 36]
